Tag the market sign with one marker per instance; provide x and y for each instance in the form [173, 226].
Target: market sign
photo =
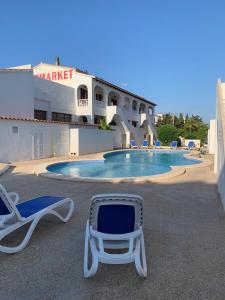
[56, 76]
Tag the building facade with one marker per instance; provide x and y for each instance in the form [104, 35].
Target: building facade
[67, 94]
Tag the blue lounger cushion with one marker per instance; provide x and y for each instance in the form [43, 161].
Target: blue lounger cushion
[33, 206]
[173, 144]
[133, 143]
[191, 144]
[145, 143]
[157, 143]
[3, 208]
[116, 219]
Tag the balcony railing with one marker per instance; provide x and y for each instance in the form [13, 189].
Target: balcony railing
[82, 102]
[99, 103]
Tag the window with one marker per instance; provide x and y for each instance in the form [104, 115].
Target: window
[113, 123]
[98, 119]
[83, 119]
[15, 129]
[134, 105]
[113, 102]
[142, 108]
[83, 93]
[99, 97]
[61, 117]
[134, 123]
[40, 114]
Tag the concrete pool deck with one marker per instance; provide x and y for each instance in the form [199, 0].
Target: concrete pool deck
[184, 227]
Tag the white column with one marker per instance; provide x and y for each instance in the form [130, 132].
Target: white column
[128, 139]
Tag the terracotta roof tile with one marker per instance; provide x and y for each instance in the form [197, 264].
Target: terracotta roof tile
[9, 118]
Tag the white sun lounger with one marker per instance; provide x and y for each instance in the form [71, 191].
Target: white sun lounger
[13, 215]
[133, 144]
[115, 222]
[145, 144]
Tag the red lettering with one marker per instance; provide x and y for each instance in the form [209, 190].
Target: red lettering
[41, 75]
[71, 72]
[65, 74]
[54, 75]
[60, 75]
[48, 77]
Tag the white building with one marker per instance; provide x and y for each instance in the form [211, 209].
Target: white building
[50, 110]
[68, 94]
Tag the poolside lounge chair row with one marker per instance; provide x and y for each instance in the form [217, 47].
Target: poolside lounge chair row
[157, 144]
[115, 222]
[145, 144]
[134, 145]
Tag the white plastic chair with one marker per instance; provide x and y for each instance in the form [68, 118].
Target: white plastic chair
[115, 222]
[14, 215]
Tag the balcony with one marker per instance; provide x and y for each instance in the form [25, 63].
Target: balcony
[82, 102]
[99, 103]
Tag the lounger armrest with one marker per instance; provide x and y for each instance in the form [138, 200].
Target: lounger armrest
[14, 197]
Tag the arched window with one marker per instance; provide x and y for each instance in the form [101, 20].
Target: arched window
[126, 105]
[82, 95]
[99, 95]
[142, 108]
[150, 110]
[113, 99]
[134, 105]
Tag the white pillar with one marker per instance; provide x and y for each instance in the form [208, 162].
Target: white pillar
[128, 139]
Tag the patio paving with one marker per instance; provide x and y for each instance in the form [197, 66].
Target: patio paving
[184, 227]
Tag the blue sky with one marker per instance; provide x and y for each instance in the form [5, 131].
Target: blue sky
[170, 51]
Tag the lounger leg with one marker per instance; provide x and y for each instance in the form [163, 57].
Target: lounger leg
[34, 223]
[140, 257]
[94, 266]
[25, 241]
[69, 214]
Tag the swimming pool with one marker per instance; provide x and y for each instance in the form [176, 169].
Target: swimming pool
[120, 164]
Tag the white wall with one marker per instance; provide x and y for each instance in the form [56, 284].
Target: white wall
[117, 137]
[16, 93]
[85, 140]
[53, 97]
[212, 137]
[219, 165]
[22, 140]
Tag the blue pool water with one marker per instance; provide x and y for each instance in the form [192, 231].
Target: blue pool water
[119, 164]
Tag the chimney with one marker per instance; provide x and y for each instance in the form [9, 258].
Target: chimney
[57, 61]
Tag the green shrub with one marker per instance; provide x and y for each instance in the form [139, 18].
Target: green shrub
[104, 126]
[167, 133]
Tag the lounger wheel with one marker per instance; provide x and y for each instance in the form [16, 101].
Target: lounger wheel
[140, 257]
[90, 272]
